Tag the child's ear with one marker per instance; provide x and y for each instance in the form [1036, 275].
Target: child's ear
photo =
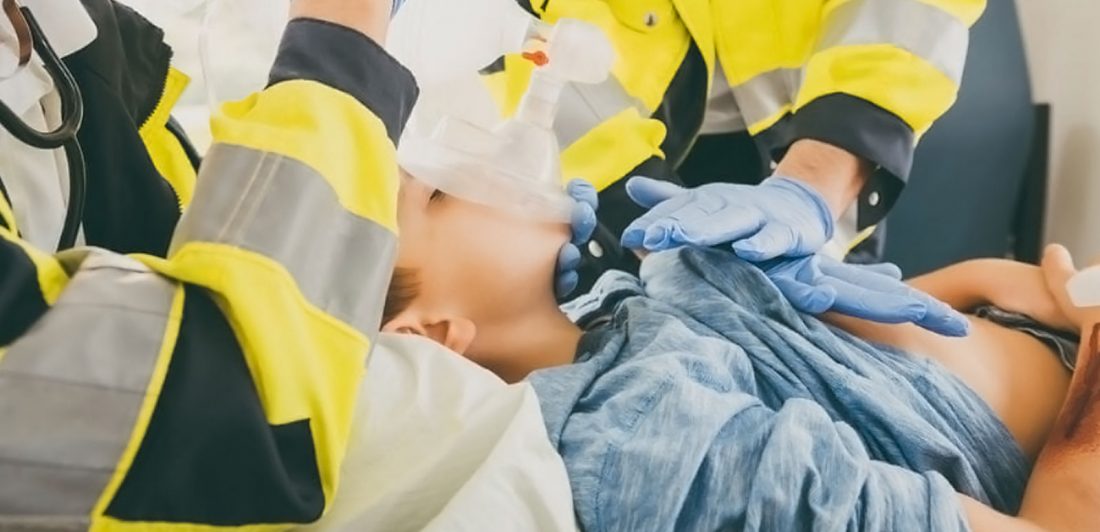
[405, 323]
[454, 332]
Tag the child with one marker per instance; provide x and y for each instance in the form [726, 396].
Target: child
[698, 399]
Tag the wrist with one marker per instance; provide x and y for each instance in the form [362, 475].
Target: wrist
[810, 197]
[369, 17]
[836, 175]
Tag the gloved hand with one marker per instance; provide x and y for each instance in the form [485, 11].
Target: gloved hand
[583, 221]
[779, 217]
[875, 292]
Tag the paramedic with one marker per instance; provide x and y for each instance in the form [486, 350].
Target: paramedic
[827, 98]
[215, 388]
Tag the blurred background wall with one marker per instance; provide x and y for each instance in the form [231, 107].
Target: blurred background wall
[1062, 39]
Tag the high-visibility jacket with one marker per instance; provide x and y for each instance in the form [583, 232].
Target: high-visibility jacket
[869, 76]
[141, 170]
[215, 388]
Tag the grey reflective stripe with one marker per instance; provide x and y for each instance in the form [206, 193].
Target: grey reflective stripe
[44, 524]
[765, 95]
[923, 29]
[282, 209]
[71, 388]
[585, 106]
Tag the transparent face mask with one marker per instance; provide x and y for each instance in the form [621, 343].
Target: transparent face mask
[458, 142]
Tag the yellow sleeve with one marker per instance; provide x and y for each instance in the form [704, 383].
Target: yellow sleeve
[214, 389]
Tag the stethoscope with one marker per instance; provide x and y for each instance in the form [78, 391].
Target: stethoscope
[29, 33]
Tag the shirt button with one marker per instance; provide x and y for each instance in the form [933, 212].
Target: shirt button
[873, 199]
[595, 249]
[650, 19]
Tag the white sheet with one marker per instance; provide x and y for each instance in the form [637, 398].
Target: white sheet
[441, 444]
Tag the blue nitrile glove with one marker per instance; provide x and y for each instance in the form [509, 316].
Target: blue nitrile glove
[874, 292]
[583, 221]
[779, 217]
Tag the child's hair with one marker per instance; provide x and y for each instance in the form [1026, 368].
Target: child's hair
[404, 288]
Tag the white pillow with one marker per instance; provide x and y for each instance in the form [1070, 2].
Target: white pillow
[439, 443]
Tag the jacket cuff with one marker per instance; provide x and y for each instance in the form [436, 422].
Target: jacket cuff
[867, 131]
[350, 62]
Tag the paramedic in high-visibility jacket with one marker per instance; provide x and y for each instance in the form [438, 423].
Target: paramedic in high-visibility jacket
[827, 96]
[214, 388]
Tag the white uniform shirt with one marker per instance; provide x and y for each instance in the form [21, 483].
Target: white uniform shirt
[37, 180]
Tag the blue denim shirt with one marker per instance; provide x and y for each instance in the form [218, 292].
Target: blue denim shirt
[708, 403]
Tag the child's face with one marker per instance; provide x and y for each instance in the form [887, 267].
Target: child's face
[478, 267]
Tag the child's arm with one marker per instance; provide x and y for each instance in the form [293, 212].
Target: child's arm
[1064, 490]
[1012, 286]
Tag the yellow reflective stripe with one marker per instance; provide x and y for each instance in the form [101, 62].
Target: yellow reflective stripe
[305, 363]
[860, 237]
[51, 276]
[902, 23]
[327, 130]
[613, 148]
[767, 97]
[164, 148]
[156, 381]
[284, 210]
[110, 524]
[8, 216]
[967, 11]
[885, 75]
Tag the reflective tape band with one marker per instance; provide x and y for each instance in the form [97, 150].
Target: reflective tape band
[72, 388]
[918, 27]
[583, 107]
[284, 210]
[766, 97]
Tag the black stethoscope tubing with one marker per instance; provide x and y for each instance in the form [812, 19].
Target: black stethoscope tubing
[64, 136]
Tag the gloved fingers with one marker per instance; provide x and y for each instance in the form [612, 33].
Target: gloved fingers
[728, 225]
[583, 192]
[658, 237]
[567, 278]
[856, 272]
[944, 320]
[569, 258]
[891, 306]
[635, 234]
[668, 231]
[771, 241]
[648, 192]
[583, 222]
[566, 283]
[808, 298]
